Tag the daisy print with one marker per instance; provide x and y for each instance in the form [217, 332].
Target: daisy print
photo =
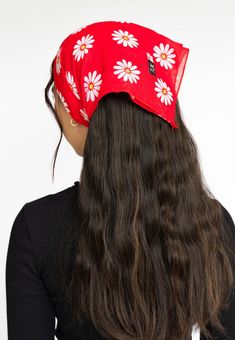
[163, 92]
[63, 101]
[125, 38]
[81, 47]
[84, 114]
[127, 71]
[79, 29]
[58, 63]
[164, 55]
[92, 85]
[72, 84]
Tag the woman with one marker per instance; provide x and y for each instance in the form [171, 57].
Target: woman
[139, 248]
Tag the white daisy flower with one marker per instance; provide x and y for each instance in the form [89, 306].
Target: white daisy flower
[81, 47]
[127, 71]
[58, 63]
[125, 38]
[84, 114]
[163, 92]
[164, 55]
[72, 84]
[79, 29]
[63, 101]
[92, 85]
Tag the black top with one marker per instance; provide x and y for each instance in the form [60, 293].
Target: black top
[36, 306]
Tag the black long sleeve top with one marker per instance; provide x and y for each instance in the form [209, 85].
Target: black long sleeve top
[36, 307]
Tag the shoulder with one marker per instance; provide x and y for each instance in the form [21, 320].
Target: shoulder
[46, 214]
[227, 216]
[228, 222]
[229, 235]
[43, 218]
[51, 205]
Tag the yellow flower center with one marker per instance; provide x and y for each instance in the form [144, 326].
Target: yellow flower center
[163, 56]
[125, 37]
[83, 46]
[91, 86]
[164, 91]
[127, 70]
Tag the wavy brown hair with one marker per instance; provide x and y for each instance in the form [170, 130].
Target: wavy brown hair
[152, 256]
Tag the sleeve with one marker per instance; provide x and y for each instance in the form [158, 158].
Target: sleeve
[30, 313]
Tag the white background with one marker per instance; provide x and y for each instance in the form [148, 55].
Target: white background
[31, 33]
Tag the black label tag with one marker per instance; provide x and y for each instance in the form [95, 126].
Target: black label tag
[151, 65]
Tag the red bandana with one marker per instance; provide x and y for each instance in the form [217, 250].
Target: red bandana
[116, 56]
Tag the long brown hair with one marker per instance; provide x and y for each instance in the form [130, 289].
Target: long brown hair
[152, 256]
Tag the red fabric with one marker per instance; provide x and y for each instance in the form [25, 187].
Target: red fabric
[115, 56]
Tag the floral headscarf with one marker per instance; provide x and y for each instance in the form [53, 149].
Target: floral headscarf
[115, 56]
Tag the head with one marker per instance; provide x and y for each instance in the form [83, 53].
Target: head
[84, 72]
